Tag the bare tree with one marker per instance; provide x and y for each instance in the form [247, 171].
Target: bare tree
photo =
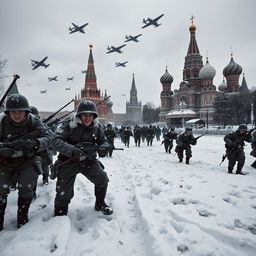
[2, 75]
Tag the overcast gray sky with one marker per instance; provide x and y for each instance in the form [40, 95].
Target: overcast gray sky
[33, 29]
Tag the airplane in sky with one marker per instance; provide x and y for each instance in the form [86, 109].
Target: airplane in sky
[77, 28]
[83, 71]
[152, 22]
[68, 88]
[70, 78]
[121, 64]
[132, 38]
[52, 79]
[36, 64]
[115, 49]
[43, 91]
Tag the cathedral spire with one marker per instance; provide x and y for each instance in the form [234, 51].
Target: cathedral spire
[193, 60]
[90, 78]
[133, 91]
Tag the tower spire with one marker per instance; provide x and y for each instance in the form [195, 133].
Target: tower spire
[90, 78]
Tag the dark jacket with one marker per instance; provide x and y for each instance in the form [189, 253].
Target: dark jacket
[184, 140]
[236, 140]
[73, 132]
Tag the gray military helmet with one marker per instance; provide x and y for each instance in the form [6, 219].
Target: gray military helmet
[34, 110]
[86, 106]
[16, 102]
[188, 129]
[242, 127]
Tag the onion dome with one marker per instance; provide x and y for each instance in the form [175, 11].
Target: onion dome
[192, 27]
[166, 78]
[232, 68]
[223, 86]
[207, 71]
[109, 103]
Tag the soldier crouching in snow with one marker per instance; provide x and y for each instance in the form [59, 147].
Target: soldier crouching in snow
[18, 154]
[78, 140]
[235, 148]
[183, 142]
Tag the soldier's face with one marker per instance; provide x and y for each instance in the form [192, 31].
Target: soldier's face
[86, 118]
[17, 116]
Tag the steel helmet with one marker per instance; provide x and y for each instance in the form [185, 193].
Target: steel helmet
[16, 102]
[86, 106]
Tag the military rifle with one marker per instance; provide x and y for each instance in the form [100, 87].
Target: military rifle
[234, 148]
[15, 77]
[89, 150]
[196, 138]
[55, 113]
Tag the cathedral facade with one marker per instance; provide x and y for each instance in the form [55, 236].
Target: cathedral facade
[92, 93]
[196, 94]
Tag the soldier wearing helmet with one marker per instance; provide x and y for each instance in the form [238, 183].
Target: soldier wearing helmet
[110, 135]
[82, 129]
[168, 139]
[19, 155]
[184, 142]
[235, 148]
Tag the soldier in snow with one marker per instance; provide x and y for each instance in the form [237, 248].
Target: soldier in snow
[184, 142]
[168, 140]
[235, 148]
[78, 141]
[23, 136]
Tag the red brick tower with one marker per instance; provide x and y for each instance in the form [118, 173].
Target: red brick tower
[91, 92]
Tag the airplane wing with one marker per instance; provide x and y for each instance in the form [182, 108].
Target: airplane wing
[146, 25]
[159, 17]
[74, 25]
[121, 46]
[44, 59]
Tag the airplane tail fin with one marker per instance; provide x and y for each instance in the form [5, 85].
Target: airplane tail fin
[144, 21]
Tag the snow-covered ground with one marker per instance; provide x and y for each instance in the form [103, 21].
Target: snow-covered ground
[161, 207]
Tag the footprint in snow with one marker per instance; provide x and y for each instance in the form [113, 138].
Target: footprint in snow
[205, 213]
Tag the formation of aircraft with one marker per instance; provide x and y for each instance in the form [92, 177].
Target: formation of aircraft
[68, 88]
[153, 22]
[77, 28]
[52, 79]
[36, 64]
[43, 91]
[132, 38]
[70, 78]
[121, 64]
[115, 49]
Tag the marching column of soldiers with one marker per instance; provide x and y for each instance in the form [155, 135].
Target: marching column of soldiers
[27, 145]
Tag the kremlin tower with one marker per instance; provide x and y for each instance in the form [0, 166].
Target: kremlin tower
[92, 93]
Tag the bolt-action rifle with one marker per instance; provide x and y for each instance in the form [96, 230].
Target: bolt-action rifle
[238, 141]
[89, 149]
[55, 113]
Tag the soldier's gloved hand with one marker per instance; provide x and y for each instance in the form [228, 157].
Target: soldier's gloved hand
[103, 151]
[31, 144]
[6, 152]
[77, 152]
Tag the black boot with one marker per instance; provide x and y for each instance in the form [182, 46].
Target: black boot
[240, 172]
[61, 210]
[180, 160]
[2, 212]
[230, 170]
[187, 160]
[22, 213]
[100, 204]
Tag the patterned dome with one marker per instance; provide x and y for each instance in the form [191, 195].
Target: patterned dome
[223, 86]
[207, 71]
[232, 68]
[166, 78]
[109, 103]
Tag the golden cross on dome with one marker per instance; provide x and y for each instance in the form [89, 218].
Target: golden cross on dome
[192, 19]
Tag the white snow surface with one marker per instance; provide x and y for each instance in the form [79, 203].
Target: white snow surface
[161, 207]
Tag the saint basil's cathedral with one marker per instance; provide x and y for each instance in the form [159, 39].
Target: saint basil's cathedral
[196, 94]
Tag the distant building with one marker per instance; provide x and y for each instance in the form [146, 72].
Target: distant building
[91, 92]
[196, 94]
[133, 107]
